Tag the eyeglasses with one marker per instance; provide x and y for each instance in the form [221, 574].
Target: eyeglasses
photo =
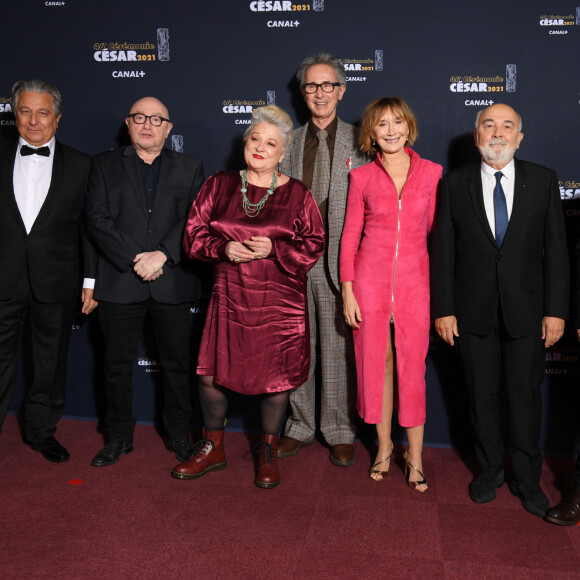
[155, 120]
[311, 88]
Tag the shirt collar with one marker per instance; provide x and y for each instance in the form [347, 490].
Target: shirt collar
[50, 145]
[156, 160]
[330, 129]
[508, 171]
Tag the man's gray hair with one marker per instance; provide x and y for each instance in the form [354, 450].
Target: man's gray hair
[480, 112]
[322, 58]
[36, 86]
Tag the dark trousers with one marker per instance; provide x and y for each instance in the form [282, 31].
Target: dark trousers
[498, 361]
[50, 329]
[122, 326]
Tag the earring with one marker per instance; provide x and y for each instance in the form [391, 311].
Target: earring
[278, 169]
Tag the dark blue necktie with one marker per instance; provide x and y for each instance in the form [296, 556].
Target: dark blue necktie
[500, 208]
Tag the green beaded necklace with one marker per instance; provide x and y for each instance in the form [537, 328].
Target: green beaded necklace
[253, 209]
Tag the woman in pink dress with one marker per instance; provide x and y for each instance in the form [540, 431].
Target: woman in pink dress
[263, 232]
[384, 270]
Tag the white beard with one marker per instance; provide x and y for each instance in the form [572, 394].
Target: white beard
[494, 156]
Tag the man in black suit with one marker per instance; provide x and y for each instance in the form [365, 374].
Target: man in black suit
[567, 512]
[42, 187]
[137, 202]
[499, 289]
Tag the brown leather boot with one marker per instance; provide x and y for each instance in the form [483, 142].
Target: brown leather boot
[208, 455]
[268, 474]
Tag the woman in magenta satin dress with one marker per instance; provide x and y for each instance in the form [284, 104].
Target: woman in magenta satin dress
[384, 271]
[263, 232]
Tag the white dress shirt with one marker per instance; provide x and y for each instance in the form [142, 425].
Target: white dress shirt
[32, 176]
[488, 184]
[31, 180]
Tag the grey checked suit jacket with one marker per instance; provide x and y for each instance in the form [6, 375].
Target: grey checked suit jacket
[346, 156]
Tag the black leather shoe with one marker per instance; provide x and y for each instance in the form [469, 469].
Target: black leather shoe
[567, 512]
[112, 452]
[482, 488]
[533, 499]
[51, 450]
[183, 449]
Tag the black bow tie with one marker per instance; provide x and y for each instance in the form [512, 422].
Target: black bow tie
[26, 150]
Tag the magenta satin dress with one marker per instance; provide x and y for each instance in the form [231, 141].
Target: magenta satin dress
[256, 337]
[384, 254]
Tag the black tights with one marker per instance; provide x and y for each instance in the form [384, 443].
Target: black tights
[214, 406]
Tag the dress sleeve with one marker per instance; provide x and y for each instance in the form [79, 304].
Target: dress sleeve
[199, 243]
[353, 227]
[434, 194]
[297, 254]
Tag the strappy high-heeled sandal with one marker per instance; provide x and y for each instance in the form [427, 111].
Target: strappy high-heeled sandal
[383, 474]
[413, 484]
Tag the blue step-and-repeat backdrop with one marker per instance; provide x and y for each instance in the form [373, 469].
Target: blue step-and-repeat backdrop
[212, 61]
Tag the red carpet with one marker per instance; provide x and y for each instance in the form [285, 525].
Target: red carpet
[132, 520]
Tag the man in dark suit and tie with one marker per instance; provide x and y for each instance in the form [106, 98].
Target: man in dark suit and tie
[42, 187]
[567, 512]
[137, 202]
[499, 290]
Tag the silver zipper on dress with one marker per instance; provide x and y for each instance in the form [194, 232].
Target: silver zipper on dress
[398, 235]
[396, 257]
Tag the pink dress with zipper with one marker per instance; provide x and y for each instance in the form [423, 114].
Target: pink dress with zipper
[384, 253]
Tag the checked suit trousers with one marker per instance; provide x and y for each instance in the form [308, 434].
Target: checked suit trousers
[335, 356]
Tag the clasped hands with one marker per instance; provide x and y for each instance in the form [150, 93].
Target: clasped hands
[149, 265]
[256, 248]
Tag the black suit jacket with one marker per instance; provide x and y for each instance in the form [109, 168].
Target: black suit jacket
[577, 287]
[122, 227]
[529, 274]
[53, 250]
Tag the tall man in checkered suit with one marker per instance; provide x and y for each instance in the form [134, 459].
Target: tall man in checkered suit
[321, 155]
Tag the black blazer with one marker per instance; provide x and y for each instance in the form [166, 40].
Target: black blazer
[122, 227]
[577, 286]
[53, 250]
[529, 273]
